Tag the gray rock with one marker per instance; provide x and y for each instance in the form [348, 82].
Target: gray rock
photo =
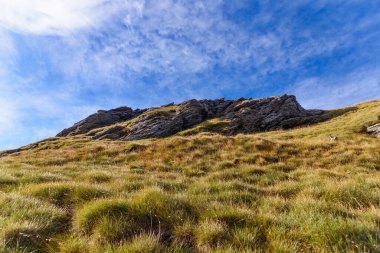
[375, 130]
[243, 115]
[154, 125]
[193, 111]
[101, 119]
[271, 114]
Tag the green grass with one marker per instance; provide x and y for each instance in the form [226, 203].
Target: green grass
[208, 126]
[28, 223]
[198, 191]
[66, 194]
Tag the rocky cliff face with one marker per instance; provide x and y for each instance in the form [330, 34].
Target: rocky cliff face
[240, 116]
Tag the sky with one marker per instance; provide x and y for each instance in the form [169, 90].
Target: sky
[63, 60]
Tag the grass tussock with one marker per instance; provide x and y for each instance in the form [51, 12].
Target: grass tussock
[27, 224]
[66, 194]
[149, 211]
[199, 191]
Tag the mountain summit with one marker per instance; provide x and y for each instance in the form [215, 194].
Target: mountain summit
[219, 115]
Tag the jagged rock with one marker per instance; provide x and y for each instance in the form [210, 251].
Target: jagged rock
[101, 119]
[242, 115]
[193, 111]
[375, 130]
[272, 113]
[154, 125]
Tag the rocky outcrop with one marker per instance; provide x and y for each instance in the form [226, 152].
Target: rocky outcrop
[375, 130]
[101, 119]
[242, 115]
[153, 124]
[273, 113]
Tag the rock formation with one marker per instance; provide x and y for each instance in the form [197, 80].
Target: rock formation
[101, 119]
[375, 130]
[242, 116]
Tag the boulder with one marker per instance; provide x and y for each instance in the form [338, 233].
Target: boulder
[100, 119]
[271, 114]
[375, 130]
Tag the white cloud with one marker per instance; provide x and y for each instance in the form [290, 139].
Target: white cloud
[337, 91]
[27, 116]
[52, 17]
[8, 53]
[8, 115]
[168, 37]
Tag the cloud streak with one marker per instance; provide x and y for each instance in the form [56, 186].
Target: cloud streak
[53, 17]
[333, 92]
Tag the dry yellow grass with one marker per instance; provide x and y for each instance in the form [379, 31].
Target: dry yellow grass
[282, 191]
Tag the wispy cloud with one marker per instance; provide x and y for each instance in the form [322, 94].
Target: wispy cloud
[53, 17]
[182, 37]
[333, 92]
[28, 115]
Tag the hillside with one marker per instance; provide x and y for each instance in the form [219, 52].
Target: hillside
[204, 188]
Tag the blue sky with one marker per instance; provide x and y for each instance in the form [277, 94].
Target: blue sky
[63, 60]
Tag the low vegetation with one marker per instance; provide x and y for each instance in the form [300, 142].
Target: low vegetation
[198, 191]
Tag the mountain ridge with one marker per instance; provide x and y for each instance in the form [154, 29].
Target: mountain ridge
[237, 116]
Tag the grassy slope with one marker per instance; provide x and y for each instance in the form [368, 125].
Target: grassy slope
[283, 191]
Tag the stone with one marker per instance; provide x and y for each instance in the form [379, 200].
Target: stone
[333, 138]
[101, 119]
[375, 130]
